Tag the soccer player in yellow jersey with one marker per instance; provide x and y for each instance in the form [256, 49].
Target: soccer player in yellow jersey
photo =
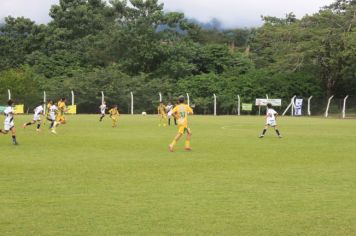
[114, 115]
[181, 112]
[60, 119]
[46, 112]
[161, 110]
[61, 110]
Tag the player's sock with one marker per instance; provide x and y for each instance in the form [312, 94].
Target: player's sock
[27, 124]
[263, 133]
[277, 131]
[187, 144]
[52, 123]
[174, 142]
[169, 121]
[14, 139]
[38, 126]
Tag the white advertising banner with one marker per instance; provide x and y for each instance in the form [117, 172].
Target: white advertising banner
[264, 102]
[298, 107]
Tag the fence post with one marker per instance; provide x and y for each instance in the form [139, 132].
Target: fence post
[344, 107]
[102, 97]
[188, 100]
[328, 106]
[132, 103]
[44, 103]
[293, 105]
[72, 97]
[214, 104]
[238, 104]
[309, 99]
[9, 93]
[290, 104]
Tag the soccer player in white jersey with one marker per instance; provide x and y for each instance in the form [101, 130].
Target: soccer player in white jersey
[169, 109]
[102, 110]
[271, 121]
[9, 121]
[52, 114]
[36, 117]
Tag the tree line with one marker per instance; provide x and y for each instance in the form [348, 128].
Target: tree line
[91, 46]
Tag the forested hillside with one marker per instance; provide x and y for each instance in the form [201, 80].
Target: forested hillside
[91, 46]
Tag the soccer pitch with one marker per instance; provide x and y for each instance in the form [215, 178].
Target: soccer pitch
[91, 179]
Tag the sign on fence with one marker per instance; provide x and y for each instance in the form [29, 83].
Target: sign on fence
[72, 109]
[19, 109]
[264, 102]
[298, 107]
[247, 106]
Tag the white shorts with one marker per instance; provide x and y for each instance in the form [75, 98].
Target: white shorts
[53, 117]
[170, 114]
[271, 123]
[8, 125]
[103, 113]
[37, 118]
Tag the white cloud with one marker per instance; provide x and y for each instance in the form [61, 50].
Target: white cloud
[243, 12]
[36, 10]
[231, 13]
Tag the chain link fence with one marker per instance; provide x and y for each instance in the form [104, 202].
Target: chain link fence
[225, 105]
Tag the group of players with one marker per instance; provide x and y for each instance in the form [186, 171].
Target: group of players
[163, 112]
[55, 115]
[113, 113]
[179, 113]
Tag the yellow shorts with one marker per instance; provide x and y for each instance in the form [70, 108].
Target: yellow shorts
[164, 116]
[183, 128]
[60, 119]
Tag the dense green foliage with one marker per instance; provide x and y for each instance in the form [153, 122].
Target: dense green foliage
[92, 179]
[91, 46]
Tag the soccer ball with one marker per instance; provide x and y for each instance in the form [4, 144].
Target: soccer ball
[144, 113]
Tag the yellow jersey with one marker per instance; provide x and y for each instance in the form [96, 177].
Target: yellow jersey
[114, 112]
[181, 112]
[61, 108]
[161, 109]
[48, 107]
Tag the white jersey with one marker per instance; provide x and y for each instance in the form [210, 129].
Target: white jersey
[9, 120]
[102, 108]
[52, 111]
[39, 110]
[271, 117]
[169, 109]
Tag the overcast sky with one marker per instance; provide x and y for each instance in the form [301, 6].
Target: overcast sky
[232, 13]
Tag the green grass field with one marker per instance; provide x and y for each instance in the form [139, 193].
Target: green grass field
[91, 179]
